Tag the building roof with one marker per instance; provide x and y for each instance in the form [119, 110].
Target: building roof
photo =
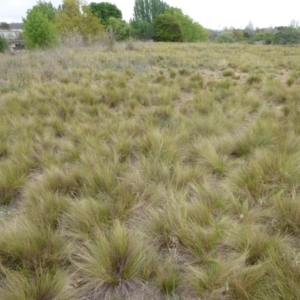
[10, 34]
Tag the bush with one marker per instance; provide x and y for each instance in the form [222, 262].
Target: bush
[120, 28]
[287, 35]
[104, 11]
[239, 34]
[266, 37]
[74, 17]
[268, 40]
[254, 79]
[38, 30]
[148, 10]
[192, 31]
[3, 44]
[226, 37]
[142, 30]
[167, 29]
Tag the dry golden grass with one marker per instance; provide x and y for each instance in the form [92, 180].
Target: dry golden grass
[155, 171]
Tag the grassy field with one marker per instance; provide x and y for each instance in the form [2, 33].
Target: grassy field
[150, 171]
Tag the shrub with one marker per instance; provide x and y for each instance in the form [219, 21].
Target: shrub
[265, 36]
[4, 25]
[3, 43]
[291, 80]
[254, 79]
[249, 31]
[239, 34]
[268, 40]
[228, 73]
[116, 257]
[38, 30]
[142, 30]
[287, 35]
[148, 10]
[104, 11]
[75, 17]
[226, 37]
[192, 31]
[167, 29]
[120, 28]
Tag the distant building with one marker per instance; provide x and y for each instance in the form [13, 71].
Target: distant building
[11, 34]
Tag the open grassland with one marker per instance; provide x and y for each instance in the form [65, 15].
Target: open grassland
[150, 171]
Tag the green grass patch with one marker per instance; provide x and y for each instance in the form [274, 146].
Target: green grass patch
[170, 171]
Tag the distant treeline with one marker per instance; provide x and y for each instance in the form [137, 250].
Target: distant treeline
[10, 26]
[155, 20]
[282, 35]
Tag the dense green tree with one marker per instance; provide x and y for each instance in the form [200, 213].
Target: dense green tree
[104, 11]
[264, 35]
[226, 36]
[120, 28]
[3, 43]
[145, 12]
[74, 16]
[249, 30]
[38, 26]
[167, 28]
[238, 33]
[142, 30]
[4, 25]
[148, 10]
[192, 31]
[287, 35]
[47, 9]
[294, 24]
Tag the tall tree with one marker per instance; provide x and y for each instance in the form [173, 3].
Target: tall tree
[4, 25]
[74, 16]
[120, 28]
[3, 44]
[287, 35]
[145, 12]
[167, 29]
[148, 10]
[104, 11]
[249, 30]
[192, 31]
[38, 26]
[47, 9]
[142, 30]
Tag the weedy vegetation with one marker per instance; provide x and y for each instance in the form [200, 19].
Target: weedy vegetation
[150, 171]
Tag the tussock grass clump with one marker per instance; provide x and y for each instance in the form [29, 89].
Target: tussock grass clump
[291, 80]
[11, 179]
[266, 173]
[216, 162]
[41, 285]
[285, 268]
[253, 242]
[228, 73]
[254, 79]
[265, 132]
[184, 72]
[113, 260]
[30, 248]
[147, 173]
[66, 182]
[84, 218]
[286, 212]
[167, 277]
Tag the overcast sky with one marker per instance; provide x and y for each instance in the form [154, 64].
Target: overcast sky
[214, 14]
